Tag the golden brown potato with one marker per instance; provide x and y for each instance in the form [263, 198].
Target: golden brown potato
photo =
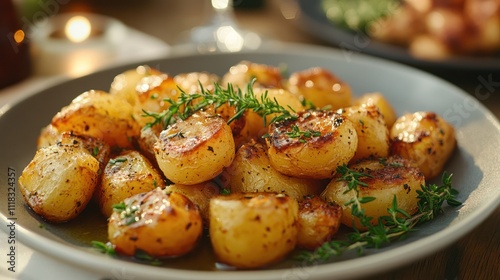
[425, 138]
[317, 156]
[147, 140]
[127, 174]
[318, 222]
[385, 108]
[100, 115]
[152, 91]
[59, 181]
[284, 98]
[386, 178]
[156, 223]
[241, 74]
[200, 194]
[195, 150]
[49, 135]
[321, 87]
[190, 82]
[373, 134]
[252, 230]
[251, 171]
[124, 85]
[96, 147]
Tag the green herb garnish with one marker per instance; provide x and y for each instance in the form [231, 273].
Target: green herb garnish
[394, 225]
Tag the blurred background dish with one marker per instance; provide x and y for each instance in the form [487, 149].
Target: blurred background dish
[315, 20]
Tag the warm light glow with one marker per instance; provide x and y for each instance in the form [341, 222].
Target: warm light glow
[77, 29]
[229, 39]
[19, 36]
[220, 4]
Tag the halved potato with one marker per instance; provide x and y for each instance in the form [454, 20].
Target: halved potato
[59, 181]
[252, 230]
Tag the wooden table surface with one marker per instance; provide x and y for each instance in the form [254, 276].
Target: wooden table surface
[475, 256]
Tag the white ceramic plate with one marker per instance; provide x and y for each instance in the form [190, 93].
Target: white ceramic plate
[474, 164]
[314, 21]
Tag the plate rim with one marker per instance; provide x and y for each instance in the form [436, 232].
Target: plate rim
[27, 237]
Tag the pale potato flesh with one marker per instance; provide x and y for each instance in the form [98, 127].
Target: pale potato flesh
[59, 181]
[253, 230]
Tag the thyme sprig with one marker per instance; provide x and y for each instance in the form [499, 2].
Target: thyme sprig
[188, 104]
[301, 134]
[392, 226]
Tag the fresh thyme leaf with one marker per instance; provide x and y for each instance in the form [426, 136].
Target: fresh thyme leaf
[106, 248]
[128, 213]
[116, 160]
[395, 225]
[241, 101]
[225, 191]
[297, 133]
[143, 256]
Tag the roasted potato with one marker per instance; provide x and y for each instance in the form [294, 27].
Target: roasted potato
[241, 74]
[318, 222]
[312, 156]
[200, 194]
[251, 171]
[373, 134]
[195, 150]
[252, 230]
[49, 135]
[155, 222]
[190, 82]
[385, 179]
[100, 115]
[126, 174]
[284, 98]
[59, 181]
[385, 108]
[124, 85]
[425, 138]
[321, 87]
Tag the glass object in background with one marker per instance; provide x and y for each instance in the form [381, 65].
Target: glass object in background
[221, 33]
[14, 48]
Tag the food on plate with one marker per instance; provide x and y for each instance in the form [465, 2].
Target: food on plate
[156, 223]
[126, 174]
[393, 178]
[318, 222]
[371, 131]
[249, 230]
[195, 150]
[59, 181]
[251, 171]
[426, 139]
[377, 99]
[312, 145]
[100, 115]
[320, 87]
[430, 29]
[256, 163]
